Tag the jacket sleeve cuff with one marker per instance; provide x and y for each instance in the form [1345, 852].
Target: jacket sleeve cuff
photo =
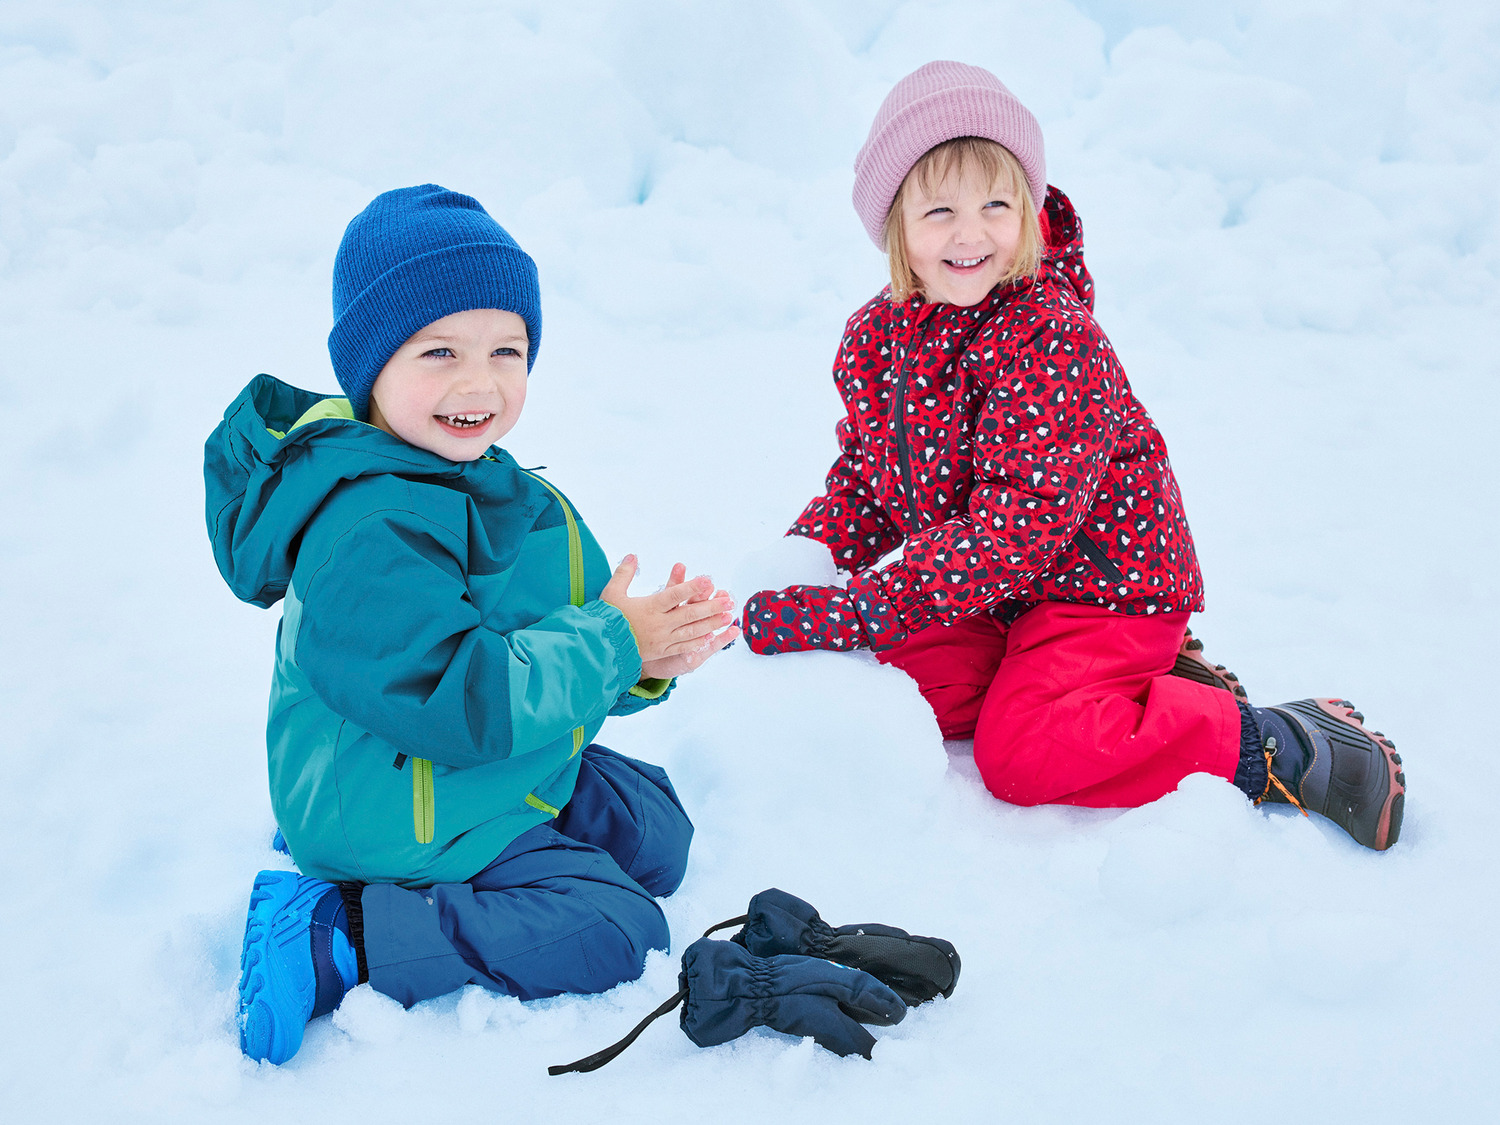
[891, 605]
[877, 613]
[652, 688]
[621, 640]
[647, 693]
[840, 537]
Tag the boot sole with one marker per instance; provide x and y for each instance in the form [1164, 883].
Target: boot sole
[273, 1005]
[1193, 665]
[1393, 805]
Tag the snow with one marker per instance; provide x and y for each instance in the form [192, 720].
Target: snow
[1291, 213]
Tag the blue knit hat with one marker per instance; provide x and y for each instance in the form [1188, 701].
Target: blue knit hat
[413, 256]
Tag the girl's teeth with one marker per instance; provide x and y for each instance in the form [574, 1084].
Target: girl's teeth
[966, 261]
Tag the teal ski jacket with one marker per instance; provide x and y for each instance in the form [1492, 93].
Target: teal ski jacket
[442, 656]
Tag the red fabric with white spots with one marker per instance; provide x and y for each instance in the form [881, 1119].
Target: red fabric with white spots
[1003, 446]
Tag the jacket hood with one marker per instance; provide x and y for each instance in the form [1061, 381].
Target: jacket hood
[264, 477]
[1063, 233]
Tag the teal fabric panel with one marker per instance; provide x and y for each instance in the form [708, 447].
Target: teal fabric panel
[426, 614]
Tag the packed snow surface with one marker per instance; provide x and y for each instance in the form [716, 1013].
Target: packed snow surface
[1291, 213]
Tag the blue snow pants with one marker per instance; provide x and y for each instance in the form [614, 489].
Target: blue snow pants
[567, 907]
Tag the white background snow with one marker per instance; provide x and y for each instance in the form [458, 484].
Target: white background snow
[1290, 210]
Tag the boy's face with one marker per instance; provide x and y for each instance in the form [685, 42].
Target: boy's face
[457, 386]
[961, 237]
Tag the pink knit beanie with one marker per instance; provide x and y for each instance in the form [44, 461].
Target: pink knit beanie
[937, 103]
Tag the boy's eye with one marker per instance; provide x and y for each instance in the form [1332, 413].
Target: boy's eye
[505, 351]
[440, 353]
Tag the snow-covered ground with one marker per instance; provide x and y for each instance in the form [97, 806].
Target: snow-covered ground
[1290, 208]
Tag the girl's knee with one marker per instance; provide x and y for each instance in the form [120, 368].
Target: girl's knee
[998, 769]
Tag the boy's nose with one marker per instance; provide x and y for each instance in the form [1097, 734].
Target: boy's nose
[471, 373]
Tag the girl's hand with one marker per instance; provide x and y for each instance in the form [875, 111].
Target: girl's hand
[801, 618]
[674, 628]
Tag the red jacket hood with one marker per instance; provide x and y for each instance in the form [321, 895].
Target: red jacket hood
[1062, 234]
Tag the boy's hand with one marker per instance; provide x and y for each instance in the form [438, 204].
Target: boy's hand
[669, 666]
[674, 628]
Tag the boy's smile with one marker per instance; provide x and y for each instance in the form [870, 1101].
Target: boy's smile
[457, 386]
[961, 236]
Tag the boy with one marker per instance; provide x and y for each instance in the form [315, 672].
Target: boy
[448, 647]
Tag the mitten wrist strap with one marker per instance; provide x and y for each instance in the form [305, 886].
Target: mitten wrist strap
[599, 1058]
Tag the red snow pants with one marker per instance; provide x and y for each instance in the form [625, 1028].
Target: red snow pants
[1073, 704]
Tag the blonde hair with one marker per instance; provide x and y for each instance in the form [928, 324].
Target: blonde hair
[950, 158]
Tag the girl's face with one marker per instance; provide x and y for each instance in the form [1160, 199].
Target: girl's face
[961, 236]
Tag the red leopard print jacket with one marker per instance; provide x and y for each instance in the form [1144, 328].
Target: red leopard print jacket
[1003, 446]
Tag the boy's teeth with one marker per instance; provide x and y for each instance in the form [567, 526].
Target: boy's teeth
[466, 419]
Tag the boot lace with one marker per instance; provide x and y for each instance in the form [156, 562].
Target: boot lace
[1272, 779]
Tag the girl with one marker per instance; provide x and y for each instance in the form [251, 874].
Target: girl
[1046, 572]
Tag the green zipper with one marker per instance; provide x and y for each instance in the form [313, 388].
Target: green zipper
[423, 805]
[542, 806]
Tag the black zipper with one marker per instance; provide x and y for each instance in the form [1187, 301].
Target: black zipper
[903, 447]
[1096, 555]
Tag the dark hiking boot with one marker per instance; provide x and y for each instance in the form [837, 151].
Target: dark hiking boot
[1193, 665]
[1320, 758]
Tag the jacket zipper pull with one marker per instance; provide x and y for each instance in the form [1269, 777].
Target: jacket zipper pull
[399, 762]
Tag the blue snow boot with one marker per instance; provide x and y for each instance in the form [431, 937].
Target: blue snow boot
[296, 964]
[1319, 757]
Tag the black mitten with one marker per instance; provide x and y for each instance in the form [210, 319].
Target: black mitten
[916, 968]
[729, 991]
[790, 971]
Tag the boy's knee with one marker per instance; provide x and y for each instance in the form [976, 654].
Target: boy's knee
[661, 863]
[614, 951]
[646, 927]
[630, 809]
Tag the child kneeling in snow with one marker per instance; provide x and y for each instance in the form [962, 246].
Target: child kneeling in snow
[451, 640]
[1047, 572]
